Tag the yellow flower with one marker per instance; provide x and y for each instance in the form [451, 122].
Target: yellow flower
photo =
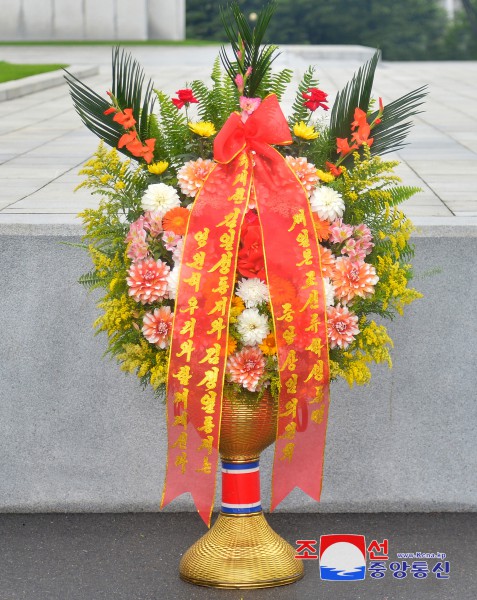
[202, 128]
[237, 306]
[307, 132]
[231, 346]
[324, 176]
[158, 168]
[269, 345]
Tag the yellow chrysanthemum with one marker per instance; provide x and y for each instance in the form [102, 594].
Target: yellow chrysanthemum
[237, 306]
[203, 128]
[231, 346]
[158, 168]
[324, 176]
[307, 132]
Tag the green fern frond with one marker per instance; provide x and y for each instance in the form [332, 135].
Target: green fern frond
[300, 112]
[401, 193]
[279, 82]
[91, 280]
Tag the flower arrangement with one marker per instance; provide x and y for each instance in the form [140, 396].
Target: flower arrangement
[136, 235]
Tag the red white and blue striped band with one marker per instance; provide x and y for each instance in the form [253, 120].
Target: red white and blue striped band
[241, 487]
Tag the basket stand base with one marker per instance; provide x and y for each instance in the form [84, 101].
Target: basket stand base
[241, 551]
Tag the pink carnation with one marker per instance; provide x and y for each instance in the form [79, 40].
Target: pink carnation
[147, 280]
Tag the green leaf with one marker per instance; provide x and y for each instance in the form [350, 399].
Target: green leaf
[300, 112]
[92, 281]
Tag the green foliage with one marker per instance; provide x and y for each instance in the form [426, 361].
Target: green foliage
[299, 111]
[172, 130]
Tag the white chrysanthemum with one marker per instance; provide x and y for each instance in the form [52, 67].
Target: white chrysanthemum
[160, 198]
[252, 291]
[329, 292]
[252, 327]
[173, 282]
[327, 203]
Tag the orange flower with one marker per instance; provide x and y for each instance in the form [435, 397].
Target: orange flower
[269, 345]
[125, 118]
[322, 228]
[333, 169]
[359, 119]
[343, 147]
[128, 139]
[282, 289]
[176, 220]
[111, 109]
[148, 150]
[231, 346]
[237, 306]
[362, 135]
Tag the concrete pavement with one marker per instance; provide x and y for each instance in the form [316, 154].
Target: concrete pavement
[43, 142]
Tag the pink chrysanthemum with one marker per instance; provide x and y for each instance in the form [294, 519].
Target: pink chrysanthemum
[147, 280]
[353, 278]
[157, 326]
[342, 326]
[305, 171]
[192, 175]
[327, 260]
[246, 367]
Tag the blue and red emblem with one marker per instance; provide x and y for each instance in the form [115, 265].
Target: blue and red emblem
[241, 488]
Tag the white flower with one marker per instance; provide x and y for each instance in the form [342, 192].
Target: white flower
[329, 292]
[252, 326]
[177, 251]
[327, 203]
[252, 291]
[160, 198]
[173, 282]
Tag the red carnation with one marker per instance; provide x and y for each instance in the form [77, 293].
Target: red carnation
[315, 98]
[185, 98]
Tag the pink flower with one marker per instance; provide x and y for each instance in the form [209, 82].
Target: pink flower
[177, 251]
[157, 326]
[239, 82]
[147, 280]
[138, 250]
[305, 171]
[246, 367]
[353, 278]
[248, 106]
[327, 261]
[136, 231]
[248, 72]
[342, 326]
[170, 240]
[192, 175]
[153, 222]
[340, 232]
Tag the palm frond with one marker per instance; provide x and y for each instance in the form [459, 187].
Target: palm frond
[389, 135]
[258, 57]
[356, 93]
[128, 88]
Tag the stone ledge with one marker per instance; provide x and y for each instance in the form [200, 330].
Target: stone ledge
[36, 83]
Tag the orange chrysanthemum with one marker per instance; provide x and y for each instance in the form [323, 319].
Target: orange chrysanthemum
[192, 175]
[147, 280]
[322, 228]
[231, 346]
[282, 289]
[237, 306]
[157, 326]
[353, 278]
[246, 367]
[269, 345]
[327, 261]
[176, 220]
[305, 172]
[342, 326]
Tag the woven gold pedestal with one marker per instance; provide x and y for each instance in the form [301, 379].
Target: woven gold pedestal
[241, 551]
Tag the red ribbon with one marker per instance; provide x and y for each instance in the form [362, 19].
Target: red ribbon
[249, 170]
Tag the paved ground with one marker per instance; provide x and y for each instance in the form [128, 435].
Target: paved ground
[136, 557]
[43, 143]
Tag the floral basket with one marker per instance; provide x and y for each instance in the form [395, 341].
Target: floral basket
[246, 259]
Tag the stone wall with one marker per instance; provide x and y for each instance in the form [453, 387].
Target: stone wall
[92, 20]
[76, 434]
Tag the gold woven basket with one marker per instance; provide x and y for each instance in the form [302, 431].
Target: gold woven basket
[242, 550]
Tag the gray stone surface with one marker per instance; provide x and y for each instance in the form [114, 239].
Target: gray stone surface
[136, 557]
[76, 434]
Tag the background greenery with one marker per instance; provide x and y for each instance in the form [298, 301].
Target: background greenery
[403, 30]
[10, 71]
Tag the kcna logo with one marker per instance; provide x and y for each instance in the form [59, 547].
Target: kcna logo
[342, 557]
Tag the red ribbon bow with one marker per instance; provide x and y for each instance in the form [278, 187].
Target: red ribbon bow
[250, 170]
